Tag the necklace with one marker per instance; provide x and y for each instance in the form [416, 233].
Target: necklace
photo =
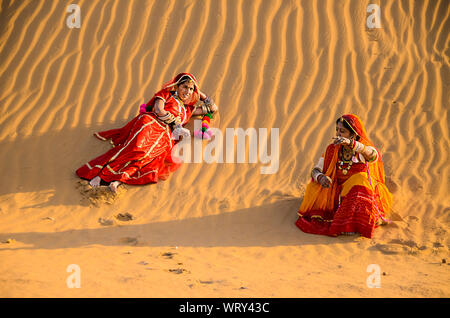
[180, 105]
[346, 158]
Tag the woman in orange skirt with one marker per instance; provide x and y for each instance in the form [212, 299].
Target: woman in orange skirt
[347, 192]
[142, 149]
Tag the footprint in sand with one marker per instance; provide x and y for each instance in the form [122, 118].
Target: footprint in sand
[391, 185]
[177, 270]
[143, 263]
[129, 240]
[414, 184]
[437, 245]
[125, 217]
[168, 255]
[105, 222]
[391, 248]
[9, 241]
[409, 243]
[100, 195]
[264, 193]
[398, 246]
[224, 204]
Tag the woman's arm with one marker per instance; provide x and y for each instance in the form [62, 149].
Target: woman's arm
[208, 101]
[369, 153]
[159, 107]
[164, 115]
[203, 96]
[198, 111]
[318, 175]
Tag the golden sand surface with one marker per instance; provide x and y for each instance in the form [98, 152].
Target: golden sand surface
[221, 229]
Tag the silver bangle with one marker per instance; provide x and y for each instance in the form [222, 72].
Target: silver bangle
[167, 118]
[358, 146]
[315, 173]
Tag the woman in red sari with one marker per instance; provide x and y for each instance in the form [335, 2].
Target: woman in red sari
[142, 149]
[347, 193]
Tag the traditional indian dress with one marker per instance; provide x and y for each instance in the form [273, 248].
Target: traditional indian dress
[141, 152]
[357, 200]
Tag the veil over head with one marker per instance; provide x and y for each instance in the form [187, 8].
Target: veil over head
[170, 86]
[323, 198]
[177, 79]
[357, 126]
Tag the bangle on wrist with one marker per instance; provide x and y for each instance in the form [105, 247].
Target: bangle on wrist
[319, 176]
[315, 173]
[359, 147]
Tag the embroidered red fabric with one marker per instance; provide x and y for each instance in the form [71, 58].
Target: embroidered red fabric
[143, 147]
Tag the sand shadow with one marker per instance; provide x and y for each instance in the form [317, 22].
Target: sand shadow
[33, 160]
[263, 226]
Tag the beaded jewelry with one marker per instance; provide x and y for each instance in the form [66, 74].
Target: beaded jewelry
[345, 160]
[204, 132]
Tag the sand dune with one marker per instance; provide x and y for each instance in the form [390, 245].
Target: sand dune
[292, 65]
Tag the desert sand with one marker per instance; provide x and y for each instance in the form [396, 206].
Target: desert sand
[221, 229]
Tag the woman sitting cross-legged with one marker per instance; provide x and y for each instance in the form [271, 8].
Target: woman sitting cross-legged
[347, 193]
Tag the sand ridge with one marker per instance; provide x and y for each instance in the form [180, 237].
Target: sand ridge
[291, 65]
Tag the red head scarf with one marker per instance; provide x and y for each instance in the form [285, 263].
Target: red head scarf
[169, 86]
[177, 79]
[356, 125]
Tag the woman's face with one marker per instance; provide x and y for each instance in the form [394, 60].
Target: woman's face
[341, 131]
[185, 90]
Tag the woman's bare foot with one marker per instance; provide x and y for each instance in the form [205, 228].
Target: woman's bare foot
[95, 182]
[114, 185]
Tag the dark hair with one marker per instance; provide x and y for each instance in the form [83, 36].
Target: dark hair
[347, 126]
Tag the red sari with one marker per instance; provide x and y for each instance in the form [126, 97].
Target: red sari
[143, 147]
[355, 202]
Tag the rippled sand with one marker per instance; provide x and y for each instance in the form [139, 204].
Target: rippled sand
[221, 229]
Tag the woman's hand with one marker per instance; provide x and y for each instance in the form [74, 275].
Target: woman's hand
[342, 140]
[324, 181]
[209, 102]
[213, 108]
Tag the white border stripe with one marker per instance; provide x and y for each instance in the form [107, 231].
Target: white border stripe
[118, 153]
[99, 137]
